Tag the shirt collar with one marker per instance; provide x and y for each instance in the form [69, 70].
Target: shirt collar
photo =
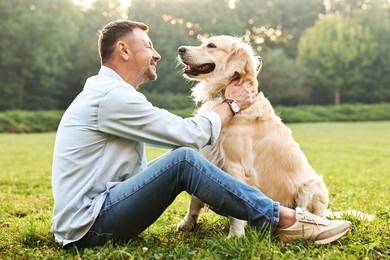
[104, 70]
[107, 71]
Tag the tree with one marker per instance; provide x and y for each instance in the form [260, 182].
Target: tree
[282, 78]
[278, 23]
[377, 76]
[85, 54]
[176, 23]
[337, 51]
[347, 7]
[35, 39]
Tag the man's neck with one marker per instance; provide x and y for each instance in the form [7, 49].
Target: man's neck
[123, 73]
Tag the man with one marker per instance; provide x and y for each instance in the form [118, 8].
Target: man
[103, 188]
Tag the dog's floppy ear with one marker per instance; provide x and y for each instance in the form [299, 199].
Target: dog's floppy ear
[241, 61]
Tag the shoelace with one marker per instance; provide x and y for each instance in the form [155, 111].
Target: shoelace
[312, 218]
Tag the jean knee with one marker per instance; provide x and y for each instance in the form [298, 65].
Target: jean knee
[185, 152]
[93, 238]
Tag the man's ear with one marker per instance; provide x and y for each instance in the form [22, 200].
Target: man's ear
[122, 49]
[240, 61]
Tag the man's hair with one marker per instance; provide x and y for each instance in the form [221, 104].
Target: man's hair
[112, 32]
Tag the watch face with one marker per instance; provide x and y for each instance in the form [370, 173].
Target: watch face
[235, 107]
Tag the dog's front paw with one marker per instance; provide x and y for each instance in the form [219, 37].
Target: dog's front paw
[185, 225]
[237, 227]
[188, 223]
[236, 232]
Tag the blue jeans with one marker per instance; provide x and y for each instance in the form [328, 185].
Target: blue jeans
[136, 203]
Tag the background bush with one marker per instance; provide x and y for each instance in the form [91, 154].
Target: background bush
[169, 100]
[18, 121]
[345, 113]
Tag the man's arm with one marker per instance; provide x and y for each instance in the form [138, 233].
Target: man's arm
[129, 115]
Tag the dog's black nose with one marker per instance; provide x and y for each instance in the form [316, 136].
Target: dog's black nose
[182, 50]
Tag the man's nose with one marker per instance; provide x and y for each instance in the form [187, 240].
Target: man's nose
[157, 56]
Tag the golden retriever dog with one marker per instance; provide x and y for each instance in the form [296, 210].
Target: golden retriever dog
[255, 147]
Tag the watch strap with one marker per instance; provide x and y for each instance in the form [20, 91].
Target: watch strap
[230, 102]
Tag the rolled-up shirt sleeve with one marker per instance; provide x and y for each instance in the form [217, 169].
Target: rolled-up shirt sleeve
[126, 113]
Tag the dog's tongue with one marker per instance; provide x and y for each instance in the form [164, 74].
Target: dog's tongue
[203, 67]
[195, 70]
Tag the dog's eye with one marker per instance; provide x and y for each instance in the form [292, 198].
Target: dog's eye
[211, 45]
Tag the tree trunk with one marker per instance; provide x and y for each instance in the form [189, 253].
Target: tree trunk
[337, 97]
[21, 94]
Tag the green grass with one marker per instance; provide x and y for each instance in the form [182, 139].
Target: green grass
[352, 157]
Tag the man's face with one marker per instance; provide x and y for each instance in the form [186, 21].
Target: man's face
[144, 57]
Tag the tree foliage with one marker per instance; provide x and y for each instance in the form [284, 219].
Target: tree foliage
[337, 51]
[84, 50]
[48, 48]
[377, 76]
[265, 24]
[281, 78]
[35, 37]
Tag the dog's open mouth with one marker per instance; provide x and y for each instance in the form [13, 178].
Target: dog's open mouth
[195, 70]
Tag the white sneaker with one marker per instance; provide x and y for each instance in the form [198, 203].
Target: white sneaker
[312, 227]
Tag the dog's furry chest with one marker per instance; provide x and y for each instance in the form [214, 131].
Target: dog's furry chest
[236, 140]
[227, 139]
[237, 143]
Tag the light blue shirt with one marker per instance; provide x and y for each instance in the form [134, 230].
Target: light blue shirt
[100, 142]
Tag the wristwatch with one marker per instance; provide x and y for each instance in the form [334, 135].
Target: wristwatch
[234, 106]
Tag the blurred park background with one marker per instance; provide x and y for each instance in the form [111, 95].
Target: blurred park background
[325, 60]
[316, 52]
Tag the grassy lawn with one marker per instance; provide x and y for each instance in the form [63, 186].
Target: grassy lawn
[353, 158]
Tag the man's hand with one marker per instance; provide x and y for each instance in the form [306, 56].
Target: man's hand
[244, 94]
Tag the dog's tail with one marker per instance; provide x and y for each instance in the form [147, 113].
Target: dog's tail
[350, 213]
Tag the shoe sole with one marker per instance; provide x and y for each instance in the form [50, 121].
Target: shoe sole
[334, 238]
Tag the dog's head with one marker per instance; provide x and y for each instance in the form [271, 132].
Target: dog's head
[219, 59]
[217, 62]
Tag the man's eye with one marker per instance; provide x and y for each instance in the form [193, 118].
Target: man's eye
[211, 45]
